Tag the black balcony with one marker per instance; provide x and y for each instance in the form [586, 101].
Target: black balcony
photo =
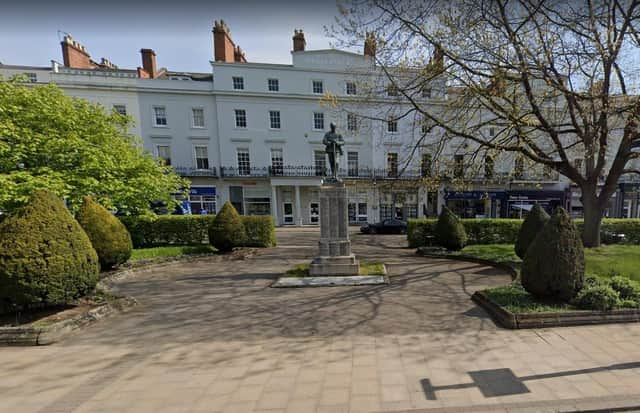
[189, 171]
[234, 172]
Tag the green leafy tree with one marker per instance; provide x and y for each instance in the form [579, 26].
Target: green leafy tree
[45, 256]
[108, 235]
[73, 148]
[554, 264]
[227, 230]
[449, 231]
[535, 221]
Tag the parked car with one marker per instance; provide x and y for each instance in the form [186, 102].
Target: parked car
[388, 226]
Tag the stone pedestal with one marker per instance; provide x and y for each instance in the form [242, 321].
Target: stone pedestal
[335, 257]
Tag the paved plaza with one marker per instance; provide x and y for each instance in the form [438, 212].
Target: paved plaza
[212, 336]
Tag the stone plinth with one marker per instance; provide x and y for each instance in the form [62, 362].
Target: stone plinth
[335, 257]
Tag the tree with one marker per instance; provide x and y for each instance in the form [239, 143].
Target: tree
[227, 230]
[546, 82]
[108, 235]
[74, 148]
[45, 256]
[554, 264]
[449, 231]
[532, 225]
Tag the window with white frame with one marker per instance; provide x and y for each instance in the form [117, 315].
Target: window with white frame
[31, 77]
[352, 122]
[392, 126]
[458, 166]
[159, 116]
[274, 119]
[273, 85]
[238, 83]
[202, 156]
[425, 125]
[352, 163]
[121, 109]
[164, 152]
[318, 120]
[351, 88]
[244, 163]
[320, 162]
[426, 92]
[317, 87]
[277, 162]
[241, 118]
[392, 90]
[197, 117]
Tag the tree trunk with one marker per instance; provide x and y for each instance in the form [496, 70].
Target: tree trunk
[592, 220]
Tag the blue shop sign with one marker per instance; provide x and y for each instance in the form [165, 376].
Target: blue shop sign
[474, 195]
[207, 191]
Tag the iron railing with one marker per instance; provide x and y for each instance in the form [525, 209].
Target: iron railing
[191, 171]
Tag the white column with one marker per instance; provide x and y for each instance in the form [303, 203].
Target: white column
[298, 209]
[274, 204]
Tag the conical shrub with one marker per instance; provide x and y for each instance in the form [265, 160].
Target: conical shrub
[532, 225]
[227, 230]
[554, 264]
[449, 231]
[108, 235]
[45, 256]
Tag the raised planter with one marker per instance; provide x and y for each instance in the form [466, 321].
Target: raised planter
[511, 320]
[36, 333]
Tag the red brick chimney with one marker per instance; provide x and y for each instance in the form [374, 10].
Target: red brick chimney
[74, 54]
[223, 46]
[298, 40]
[370, 45]
[148, 63]
[238, 55]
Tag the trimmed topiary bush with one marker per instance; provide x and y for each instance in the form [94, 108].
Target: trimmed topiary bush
[599, 297]
[45, 256]
[449, 231]
[535, 221]
[227, 230]
[108, 235]
[554, 264]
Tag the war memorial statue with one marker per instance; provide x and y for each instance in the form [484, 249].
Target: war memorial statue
[333, 143]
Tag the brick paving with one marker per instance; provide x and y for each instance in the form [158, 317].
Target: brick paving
[213, 337]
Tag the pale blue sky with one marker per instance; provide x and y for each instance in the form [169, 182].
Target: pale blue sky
[179, 31]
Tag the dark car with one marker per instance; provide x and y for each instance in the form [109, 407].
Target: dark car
[388, 226]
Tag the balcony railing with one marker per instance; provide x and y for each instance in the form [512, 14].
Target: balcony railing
[191, 171]
[235, 172]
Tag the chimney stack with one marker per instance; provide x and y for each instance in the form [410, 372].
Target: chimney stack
[148, 63]
[74, 54]
[238, 55]
[224, 50]
[298, 40]
[370, 45]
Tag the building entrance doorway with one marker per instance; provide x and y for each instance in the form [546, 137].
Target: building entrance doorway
[287, 216]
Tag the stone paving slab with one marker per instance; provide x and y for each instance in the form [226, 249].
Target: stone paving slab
[214, 337]
[333, 281]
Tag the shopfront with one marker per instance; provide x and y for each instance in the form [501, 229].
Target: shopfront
[401, 205]
[521, 202]
[476, 204]
[201, 200]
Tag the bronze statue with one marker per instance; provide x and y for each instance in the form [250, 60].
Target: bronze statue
[333, 146]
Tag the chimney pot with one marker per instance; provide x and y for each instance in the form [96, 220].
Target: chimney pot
[224, 50]
[74, 54]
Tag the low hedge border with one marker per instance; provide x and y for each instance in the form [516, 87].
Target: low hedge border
[505, 231]
[38, 335]
[511, 320]
[513, 271]
[157, 230]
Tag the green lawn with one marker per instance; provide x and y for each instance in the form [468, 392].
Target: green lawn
[603, 261]
[366, 268]
[170, 251]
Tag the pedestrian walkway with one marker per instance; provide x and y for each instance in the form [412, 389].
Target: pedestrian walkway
[213, 337]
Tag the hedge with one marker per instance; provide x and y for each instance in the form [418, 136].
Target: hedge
[505, 231]
[155, 230]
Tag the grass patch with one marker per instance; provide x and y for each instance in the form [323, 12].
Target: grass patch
[515, 299]
[366, 268]
[170, 251]
[605, 261]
